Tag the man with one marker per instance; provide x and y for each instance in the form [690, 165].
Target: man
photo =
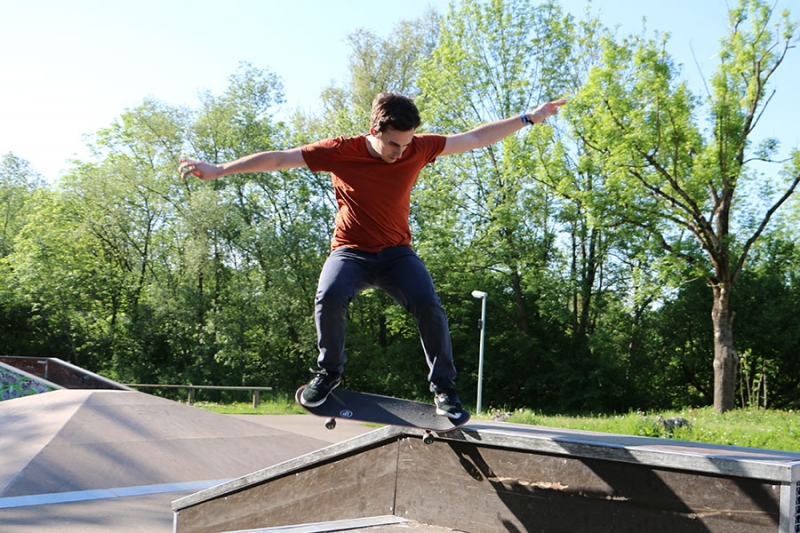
[371, 248]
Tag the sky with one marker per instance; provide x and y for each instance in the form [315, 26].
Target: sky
[71, 67]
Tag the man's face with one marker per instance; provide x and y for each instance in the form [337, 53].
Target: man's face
[391, 143]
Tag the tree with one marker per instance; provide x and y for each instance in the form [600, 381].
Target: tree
[20, 189]
[391, 64]
[681, 186]
[376, 65]
[264, 234]
[18, 182]
[482, 219]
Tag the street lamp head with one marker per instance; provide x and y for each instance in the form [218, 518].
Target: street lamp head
[478, 294]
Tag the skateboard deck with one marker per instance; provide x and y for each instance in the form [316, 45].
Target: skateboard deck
[377, 409]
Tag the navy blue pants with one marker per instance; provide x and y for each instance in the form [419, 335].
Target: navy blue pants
[401, 274]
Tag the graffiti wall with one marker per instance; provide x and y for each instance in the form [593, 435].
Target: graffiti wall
[14, 384]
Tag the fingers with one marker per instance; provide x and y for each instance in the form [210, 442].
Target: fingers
[555, 105]
[189, 167]
[547, 109]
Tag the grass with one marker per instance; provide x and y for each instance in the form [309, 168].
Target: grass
[751, 428]
[277, 405]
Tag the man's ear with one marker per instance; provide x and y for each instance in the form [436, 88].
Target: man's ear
[373, 132]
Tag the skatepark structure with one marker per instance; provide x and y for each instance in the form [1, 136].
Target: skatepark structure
[503, 477]
[58, 373]
[227, 474]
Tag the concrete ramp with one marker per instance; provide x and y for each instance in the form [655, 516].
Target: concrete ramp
[501, 477]
[83, 441]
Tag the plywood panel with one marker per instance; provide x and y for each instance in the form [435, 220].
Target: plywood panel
[356, 486]
[474, 488]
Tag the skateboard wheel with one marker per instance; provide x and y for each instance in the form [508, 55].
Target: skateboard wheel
[330, 423]
[427, 439]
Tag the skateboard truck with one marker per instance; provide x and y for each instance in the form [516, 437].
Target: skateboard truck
[427, 435]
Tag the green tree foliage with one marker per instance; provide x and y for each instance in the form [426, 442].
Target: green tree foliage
[602, 238]
[264, 237]
[18, 183]
[20, 191]
[666, 177]
[482, 218]
[391, 64]
[768, 326]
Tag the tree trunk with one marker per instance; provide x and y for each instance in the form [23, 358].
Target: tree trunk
[726, 360]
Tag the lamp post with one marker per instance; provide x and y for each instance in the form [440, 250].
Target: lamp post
[482, 324]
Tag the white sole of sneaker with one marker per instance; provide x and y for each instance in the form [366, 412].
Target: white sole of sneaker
[440, 412]
[306, 403]
[312, 404]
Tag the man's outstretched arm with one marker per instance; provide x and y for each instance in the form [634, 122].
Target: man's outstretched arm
[492, 132]
[260, 162]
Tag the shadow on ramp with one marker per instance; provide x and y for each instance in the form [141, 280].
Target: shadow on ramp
[501, 477]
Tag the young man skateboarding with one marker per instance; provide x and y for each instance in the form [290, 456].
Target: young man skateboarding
[372, 177]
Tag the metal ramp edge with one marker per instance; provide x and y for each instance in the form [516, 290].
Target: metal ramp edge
[751, 463]
[332, 526]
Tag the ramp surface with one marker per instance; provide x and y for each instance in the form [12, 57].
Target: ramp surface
[86, 444]
[81, 440]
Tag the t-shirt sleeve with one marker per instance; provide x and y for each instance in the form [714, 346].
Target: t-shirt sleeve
[317, 153]
[433, 145]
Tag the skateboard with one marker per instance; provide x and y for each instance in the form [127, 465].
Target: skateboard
[377, 409]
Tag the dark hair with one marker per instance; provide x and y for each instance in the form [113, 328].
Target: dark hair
[393, 110]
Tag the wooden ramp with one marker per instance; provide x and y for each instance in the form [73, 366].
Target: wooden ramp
[504, 477]
[75, 443]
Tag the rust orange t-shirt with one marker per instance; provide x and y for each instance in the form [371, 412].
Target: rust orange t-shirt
[373, 196]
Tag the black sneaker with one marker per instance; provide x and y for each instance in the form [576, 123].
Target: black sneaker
[447, 403]
[317, 391]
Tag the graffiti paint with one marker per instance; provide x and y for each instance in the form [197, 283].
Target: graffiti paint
[14, 385]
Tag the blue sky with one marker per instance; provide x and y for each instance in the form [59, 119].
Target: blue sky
[70, 67]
